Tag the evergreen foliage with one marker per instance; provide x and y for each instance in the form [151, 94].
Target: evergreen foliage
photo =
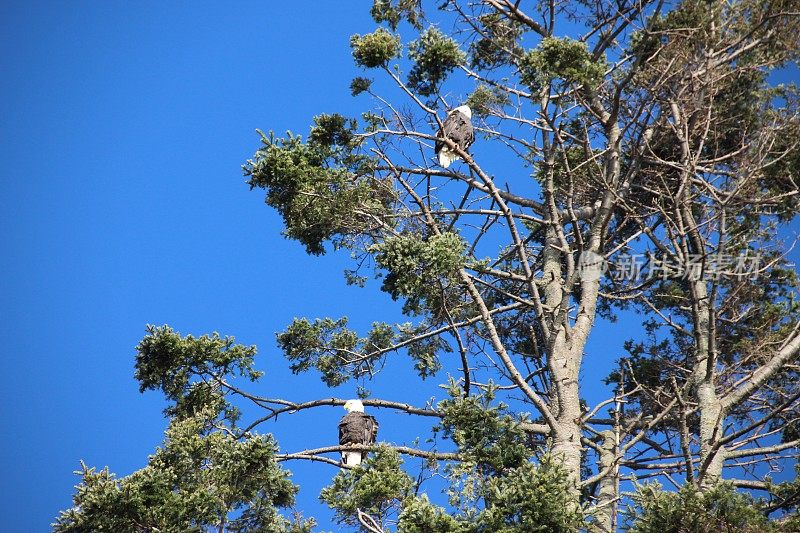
[483, 100]
[560, 59]
[394, 12]
[375, 49]
[194, 481]
[689, 510]
[418, 269]
[321, 188]
[377, 486]
[328, 346]
[435, 56]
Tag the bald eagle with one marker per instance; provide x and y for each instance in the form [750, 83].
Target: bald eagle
[356, 427]
[458, 128]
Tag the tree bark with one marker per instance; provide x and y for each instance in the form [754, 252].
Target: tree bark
[708, 402]
[606, 506]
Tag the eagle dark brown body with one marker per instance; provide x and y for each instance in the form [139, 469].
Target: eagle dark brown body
[356, 428]
[458, 128]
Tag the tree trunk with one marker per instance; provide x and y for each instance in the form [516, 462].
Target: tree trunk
[708, 402]
[567, 443]
[564, 367]
[711, 416]
[606, 506]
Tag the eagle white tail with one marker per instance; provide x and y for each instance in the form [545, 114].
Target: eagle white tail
[446, 157]
[351, 458]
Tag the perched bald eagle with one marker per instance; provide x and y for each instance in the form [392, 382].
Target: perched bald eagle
[458, 128]
[356, 427]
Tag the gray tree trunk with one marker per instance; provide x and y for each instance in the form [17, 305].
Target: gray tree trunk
[606, 506]
[708, 402]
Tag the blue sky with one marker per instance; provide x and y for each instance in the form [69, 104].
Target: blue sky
[123, 127]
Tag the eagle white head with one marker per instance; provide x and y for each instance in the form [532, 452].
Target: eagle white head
[465, 110]
[354, 406]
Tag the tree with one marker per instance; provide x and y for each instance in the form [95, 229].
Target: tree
[639, 159]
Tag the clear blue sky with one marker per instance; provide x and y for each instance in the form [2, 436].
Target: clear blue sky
[123, 127]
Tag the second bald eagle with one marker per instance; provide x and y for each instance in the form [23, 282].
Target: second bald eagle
[458, 128]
